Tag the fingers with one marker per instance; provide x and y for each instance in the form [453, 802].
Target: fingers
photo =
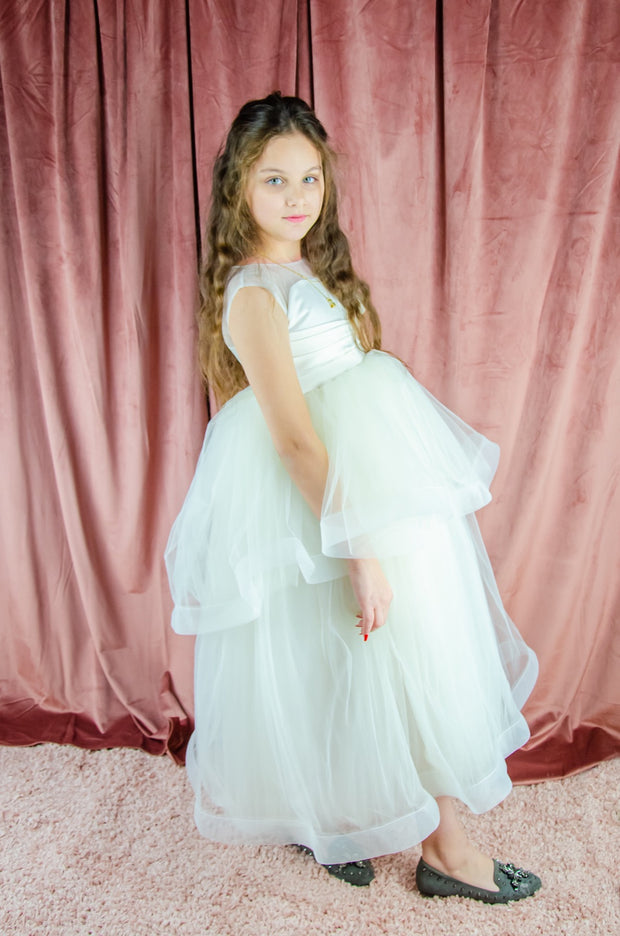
[365, 623]
[373, 618]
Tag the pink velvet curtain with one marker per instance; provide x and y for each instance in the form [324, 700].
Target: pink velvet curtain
[480, 187]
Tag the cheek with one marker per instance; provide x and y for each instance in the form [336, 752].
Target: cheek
[255, 203]
[262, 199]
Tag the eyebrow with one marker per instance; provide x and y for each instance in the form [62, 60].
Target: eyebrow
[282, 172]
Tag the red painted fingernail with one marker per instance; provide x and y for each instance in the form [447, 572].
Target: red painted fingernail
[365, 637]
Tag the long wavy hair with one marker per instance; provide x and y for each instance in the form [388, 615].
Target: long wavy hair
[232, 236]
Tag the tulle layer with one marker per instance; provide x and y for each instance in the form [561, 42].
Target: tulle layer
[304, 733]
[396, 456]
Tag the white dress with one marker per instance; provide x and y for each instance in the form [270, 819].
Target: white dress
[304, 732]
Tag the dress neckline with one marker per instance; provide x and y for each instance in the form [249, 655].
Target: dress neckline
[267, 263]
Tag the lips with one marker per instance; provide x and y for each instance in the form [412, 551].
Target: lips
[295, 218]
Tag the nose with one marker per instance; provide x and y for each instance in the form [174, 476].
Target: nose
[295, 194]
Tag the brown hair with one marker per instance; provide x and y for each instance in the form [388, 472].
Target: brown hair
[232, 236]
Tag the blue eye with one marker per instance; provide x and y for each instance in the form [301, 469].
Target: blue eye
[275, 181]
[311, 178]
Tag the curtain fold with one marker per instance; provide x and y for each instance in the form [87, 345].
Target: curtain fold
[99, 264]
[479, 178]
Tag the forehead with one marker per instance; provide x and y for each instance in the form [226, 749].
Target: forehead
[292, 151]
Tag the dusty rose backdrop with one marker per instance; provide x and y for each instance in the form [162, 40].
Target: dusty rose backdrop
[480, 188]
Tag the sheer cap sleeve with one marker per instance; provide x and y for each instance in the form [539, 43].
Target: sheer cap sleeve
[251, 275]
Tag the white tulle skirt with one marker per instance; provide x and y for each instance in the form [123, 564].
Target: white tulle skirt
[305, 733]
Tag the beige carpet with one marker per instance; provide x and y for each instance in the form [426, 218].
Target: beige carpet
[103, 843]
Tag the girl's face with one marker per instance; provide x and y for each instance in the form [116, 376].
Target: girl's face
[285, 195]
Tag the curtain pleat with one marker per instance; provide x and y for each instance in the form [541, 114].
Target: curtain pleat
[479, 184]
[100, 261]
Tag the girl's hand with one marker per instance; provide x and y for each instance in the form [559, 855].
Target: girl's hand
[372, 591]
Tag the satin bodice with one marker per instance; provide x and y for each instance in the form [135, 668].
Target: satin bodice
[322, 340]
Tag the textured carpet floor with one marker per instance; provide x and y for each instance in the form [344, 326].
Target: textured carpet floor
[103, 843]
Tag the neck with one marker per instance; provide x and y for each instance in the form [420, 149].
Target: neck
[282, 261]
[280, 253]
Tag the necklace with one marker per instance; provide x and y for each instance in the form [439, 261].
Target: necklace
[328, 299]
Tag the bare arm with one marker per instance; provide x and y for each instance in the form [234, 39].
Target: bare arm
[259, 330]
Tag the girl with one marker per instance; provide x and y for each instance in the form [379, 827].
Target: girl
[333, 502]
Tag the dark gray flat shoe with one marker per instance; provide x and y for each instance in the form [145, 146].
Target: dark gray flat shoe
[358, 873]
[514, 884]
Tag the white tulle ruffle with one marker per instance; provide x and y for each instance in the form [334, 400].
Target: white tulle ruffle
[396, 456]
[304, 733]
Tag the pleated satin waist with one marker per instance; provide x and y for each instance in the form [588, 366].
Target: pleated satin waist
[322, 352]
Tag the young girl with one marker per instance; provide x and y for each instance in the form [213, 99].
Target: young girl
[355, 669]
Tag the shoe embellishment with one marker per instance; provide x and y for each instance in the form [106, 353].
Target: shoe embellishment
[515, 875]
